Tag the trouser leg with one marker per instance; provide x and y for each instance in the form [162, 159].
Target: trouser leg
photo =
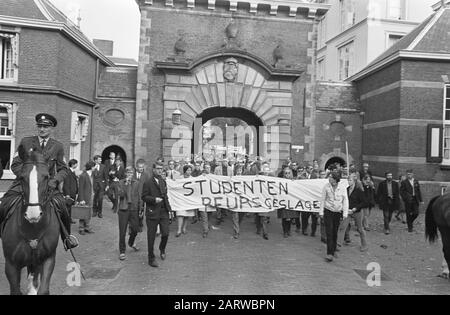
[305, 219]
[151, 235]
[205, 221]
[164, 226]
[123, 224]
[133, 220]
[314, 219]
[362, 233]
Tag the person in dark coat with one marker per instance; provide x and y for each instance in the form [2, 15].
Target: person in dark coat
[86, 196]
[369, 193]
[53, 152]
[100, 176]
[116, 174]
[70, 187]
[128, 213]
[412, 197]
[142, 176]
[285, 215]
[356, 203]
[157, 212]
[388, 197]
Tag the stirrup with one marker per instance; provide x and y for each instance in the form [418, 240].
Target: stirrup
[72, 241]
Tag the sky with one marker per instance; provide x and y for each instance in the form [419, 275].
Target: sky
[116, 20]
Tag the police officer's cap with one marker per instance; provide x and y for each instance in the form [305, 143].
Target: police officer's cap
[46, 120]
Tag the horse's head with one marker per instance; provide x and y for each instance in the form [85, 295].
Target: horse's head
[34, 178]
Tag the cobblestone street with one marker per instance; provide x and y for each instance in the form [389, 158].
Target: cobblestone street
[225, 266]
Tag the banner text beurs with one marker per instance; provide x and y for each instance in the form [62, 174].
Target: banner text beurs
[246, 193]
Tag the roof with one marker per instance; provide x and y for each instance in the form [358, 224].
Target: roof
[43, 14]
[431, 38]
[126, 62]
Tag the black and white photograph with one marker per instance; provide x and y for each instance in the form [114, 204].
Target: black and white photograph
[223, 154]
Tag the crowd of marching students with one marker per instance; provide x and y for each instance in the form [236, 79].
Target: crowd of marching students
[341, 205]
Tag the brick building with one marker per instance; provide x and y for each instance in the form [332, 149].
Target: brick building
[47, 65]
[405, 96]
[184, 68]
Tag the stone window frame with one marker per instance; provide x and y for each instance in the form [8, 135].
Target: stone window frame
[11, 109]
[446, 124]
[347, 8]
[321, 68]
[389, 34]
[351, 59]
[9, 73]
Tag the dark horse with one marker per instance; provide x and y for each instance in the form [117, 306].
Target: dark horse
[438, 217]
[31, 232]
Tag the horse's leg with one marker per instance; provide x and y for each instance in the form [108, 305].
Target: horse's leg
[46, 275]
[445, 234]
[13, 275]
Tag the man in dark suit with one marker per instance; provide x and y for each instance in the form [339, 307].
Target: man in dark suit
[141, 176]
[157, 212]
[53, 152]
[100, 176]
[86, 196]
[412, 197]
[70, 187]
[116, 174]
[388, 197]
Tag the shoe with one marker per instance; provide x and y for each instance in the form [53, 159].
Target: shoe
[100, 216]
[410, 230]
[305, 233]
[205, 234]
[89, 231]
[163, 256]
[258, 232]
[387, 232]
[122, 257]
[323, 240]
[286, 235]
[82, 232]
[136, 249]
[236, 236]
[347, 242]
[367, 229]
[364, 249]
[70, 242]
[178, 235]
[289, 233]
[194, 221]
[153, 263]
[185, 232]
[94, 215]
[329, 258]
[266, 237]
[214, 228]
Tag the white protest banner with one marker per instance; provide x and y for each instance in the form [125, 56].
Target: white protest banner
[246, 193]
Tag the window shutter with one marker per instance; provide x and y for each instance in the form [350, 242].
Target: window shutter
[434, 143]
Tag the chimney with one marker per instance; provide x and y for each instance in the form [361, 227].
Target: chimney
[105, 46]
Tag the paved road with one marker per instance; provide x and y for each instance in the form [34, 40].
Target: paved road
[225, 266]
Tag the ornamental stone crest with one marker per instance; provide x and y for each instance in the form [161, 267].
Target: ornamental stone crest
[230, 69]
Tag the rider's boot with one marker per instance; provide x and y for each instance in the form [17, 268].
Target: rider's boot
[68, 240]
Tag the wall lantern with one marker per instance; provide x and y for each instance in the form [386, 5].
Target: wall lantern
[176, 117]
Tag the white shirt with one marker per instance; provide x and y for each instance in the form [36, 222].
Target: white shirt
[335, 200]
[411, 181]
[41, 140]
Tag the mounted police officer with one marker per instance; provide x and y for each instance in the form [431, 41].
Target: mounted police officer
[53, 152]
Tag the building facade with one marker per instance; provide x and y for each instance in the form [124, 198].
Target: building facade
[405, 95]
[354, 32]
[47, 66]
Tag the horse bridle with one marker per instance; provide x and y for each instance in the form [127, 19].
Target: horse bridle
[47, 199]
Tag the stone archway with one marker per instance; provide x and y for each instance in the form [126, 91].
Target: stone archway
[117, 150]
[218, 83]
[337, 154]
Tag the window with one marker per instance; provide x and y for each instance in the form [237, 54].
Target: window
[346, 61]
[8, 62]
[446, 157]
[6, 134]
[396, 9]
[393, 38]
[348, 16]
[321, 69]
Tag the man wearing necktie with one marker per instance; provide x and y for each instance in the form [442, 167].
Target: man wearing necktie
[53, 152]
[100, 177]
[412, 197]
